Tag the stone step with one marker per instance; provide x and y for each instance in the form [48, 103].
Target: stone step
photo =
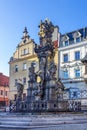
[38, 127]
[14, 123]
[17, 120]
[13, 127]
[32, 122]
[40, 119]
[39, 123]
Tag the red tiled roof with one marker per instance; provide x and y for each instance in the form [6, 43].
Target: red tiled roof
[4, 80]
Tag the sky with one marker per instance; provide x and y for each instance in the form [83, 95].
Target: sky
[69, 15]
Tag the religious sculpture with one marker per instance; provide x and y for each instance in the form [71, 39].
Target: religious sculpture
[32, 76]
[47, 68]
[20, 88]
[45, 94]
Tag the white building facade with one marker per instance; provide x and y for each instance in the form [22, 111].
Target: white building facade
[73, 48]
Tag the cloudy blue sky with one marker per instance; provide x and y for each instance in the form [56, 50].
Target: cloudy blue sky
[69, 15]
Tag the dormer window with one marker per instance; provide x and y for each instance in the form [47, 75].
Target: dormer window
[66, 43]
[65, 40]
[78, 39]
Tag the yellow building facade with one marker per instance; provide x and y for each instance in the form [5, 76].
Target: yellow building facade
[21, 61]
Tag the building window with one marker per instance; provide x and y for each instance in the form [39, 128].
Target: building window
[77, 55]
[28, 50]
[25, 51]
[15, 82]
[77, 39]
[66, 43]
[34, 63]
[65, 57]
[24, 66]
[15, 97]
[74, 94]
[24, 80]
[16, 68]
[77, 73]
[65, 74]
[5, 93]
[1, 92]
[24, 40]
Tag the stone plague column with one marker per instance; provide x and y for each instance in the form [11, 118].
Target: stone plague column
[48, 90]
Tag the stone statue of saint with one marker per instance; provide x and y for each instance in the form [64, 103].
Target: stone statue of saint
[59, 89]
[52, 70]
[41, 72]
[46, 30]
[20, 88]
[32, 74]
